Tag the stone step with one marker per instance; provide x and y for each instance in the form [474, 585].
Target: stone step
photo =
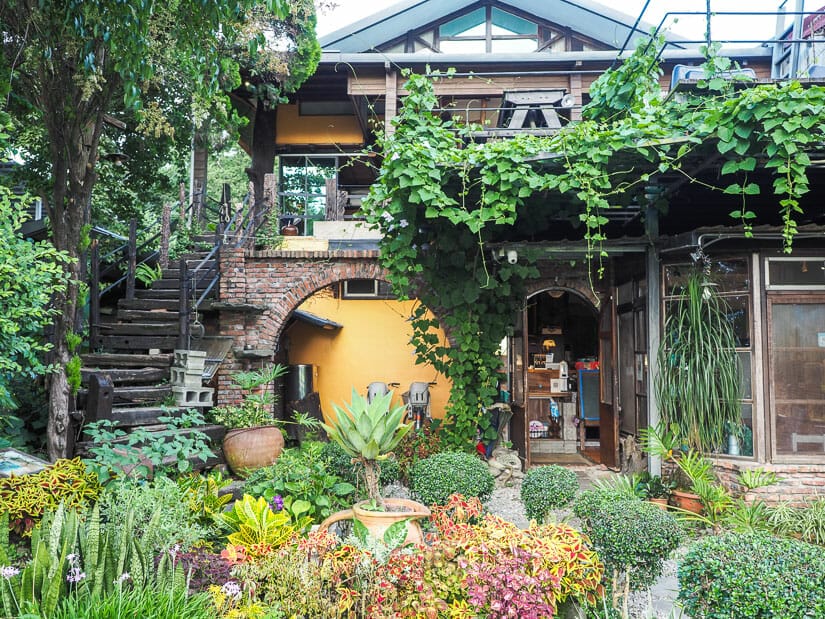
[127, 360]
[157, 293]
[166, 284]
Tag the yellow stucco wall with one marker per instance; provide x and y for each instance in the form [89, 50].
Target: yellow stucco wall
[291, 128]
[372, 346]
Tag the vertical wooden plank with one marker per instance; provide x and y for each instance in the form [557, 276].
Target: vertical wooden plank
[575, 89]
[183, 307]
[131, 260]
[391, 99]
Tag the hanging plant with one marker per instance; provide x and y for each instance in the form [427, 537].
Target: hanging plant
[698, 383]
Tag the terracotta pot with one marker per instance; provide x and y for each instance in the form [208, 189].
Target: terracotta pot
[289, 230]
[247, 449]
[661, 502]
[687, 501]
[378, 522]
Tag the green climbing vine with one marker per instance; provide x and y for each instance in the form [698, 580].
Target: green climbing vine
[445, 202]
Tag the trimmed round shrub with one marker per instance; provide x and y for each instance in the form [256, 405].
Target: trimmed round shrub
[587, 505]
[340, 463]
[434, 479]
[547, 487]
[752, 575]
[634, 537]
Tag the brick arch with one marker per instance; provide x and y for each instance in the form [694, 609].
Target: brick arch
[266, 287]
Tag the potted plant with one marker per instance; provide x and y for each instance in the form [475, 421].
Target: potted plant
[253, 439]
[368, 432]
[687, 467]
[655, 489]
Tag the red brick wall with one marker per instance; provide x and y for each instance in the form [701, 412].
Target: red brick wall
[278, 282]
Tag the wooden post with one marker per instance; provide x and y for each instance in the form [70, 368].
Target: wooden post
[165, 232]
[390, 99]
[132, 260]
[195, 217]
[94, 296]
[183, 307]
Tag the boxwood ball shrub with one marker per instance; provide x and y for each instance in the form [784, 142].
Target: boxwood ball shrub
[634, 537]
[434, 479]
[748, 575]
[547, 487]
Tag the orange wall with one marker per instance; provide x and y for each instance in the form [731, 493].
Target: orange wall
[372, 346]
[293, 128]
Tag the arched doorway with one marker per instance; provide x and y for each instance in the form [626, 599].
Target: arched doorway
[556, 379]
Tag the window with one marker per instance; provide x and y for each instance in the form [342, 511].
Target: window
[802, 273]
[488, 29]
[732, 281]
[796, 359]
[365, 289]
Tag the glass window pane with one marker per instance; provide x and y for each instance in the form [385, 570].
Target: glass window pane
[463, 47]
[461, 25]
[729, 275]
[738, 314]
[796, 272]
[797, 369]
[513, 46]
[507, 23]
[745, 375]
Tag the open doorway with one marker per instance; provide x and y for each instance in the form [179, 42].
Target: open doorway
[561, 398]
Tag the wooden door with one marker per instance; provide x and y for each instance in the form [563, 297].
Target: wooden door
[517, 353]
[608, 389]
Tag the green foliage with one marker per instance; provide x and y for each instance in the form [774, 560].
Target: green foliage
[147, 274]
[341, 464]
[158, 603]
[368, 431]
[205, 496]
[546, 488]
[633, 538]
[256, 528]
[417, 445]
[79, 555]
[31, 274]
[257, 405]
[143, 453]
[445, 203]
[590, 502]
[162, 513]
[752, 575]
[305, 482]
[805, 522]
[698, 385]
[25, 498]
[653, 486]
[434, 479]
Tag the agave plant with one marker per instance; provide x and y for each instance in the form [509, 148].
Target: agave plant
[368, 432]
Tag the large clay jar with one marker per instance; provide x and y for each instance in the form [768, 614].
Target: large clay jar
[247, 449]
[378, 522]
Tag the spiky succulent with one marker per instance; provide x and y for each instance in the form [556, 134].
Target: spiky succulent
[368, 431]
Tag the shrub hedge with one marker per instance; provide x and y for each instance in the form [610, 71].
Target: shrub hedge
[434, 479]
[547, 487]
[752, 575]
[633, 537]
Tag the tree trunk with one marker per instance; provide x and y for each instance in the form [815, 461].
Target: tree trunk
[263, 148]
[74, 144]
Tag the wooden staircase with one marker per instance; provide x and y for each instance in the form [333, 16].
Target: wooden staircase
[127, 378]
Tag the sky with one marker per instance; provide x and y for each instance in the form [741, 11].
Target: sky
[727, 27]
